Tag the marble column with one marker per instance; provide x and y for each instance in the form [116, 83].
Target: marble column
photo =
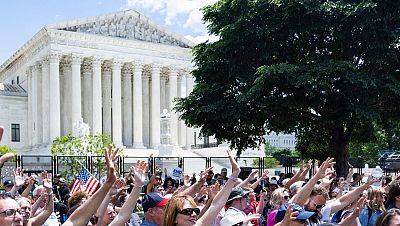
[182, 127]
[65, 92]
[127, 104]
[45, 102]
[29, 88]
[106, 100]
[38, 93]
[76, 98]
[87, 93]
[155, 107]
[34, 103]
[116, 104]
[173, 93]
[97, 125]
[137, 107]
[189, 130]
[54, 83]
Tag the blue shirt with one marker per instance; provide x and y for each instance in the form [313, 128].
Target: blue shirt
[366, 220]
[147, 223]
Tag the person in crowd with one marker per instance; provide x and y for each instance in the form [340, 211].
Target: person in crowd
[169, 185]
[389, 218]
[278, 198]
[393, 196]
[63, 192]
[10, 211]
[374, 208]
[224, 173]
[8, 185]
[153, 206]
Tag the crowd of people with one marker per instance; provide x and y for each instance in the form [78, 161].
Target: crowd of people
[208, 198]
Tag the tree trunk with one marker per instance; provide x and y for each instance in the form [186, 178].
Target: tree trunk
[341, 143]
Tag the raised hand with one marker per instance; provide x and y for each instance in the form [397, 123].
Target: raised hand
[46, 180]
[213, 190]
[139, 173]
[203, 175]
[265, 174]
[111, 155]
[116, 186]
[235, 166]
[18, 178]
[186, 180]
[322, 171]
[252, 175]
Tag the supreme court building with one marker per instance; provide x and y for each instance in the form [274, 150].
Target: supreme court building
[117, 72]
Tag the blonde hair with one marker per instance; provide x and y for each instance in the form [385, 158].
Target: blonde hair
[276, 197]
[175, 204]
[372, 197]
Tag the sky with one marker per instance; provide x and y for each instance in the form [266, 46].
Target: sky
[20, 20]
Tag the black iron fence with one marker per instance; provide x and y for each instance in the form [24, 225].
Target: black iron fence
[56, 164]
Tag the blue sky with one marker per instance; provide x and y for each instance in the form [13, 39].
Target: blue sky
[21, 19]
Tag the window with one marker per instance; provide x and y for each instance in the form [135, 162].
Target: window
[12, 82]
[15, 133]
[17, 79]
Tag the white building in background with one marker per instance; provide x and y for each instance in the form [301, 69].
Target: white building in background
[281, 141]
[117, 72]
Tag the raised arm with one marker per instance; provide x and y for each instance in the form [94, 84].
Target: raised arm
[83, 214]
[139, 172]
[18, 181]
[301, 197]
[28, 188]
[255, 184]
[349, 197]
[220, 199]
[251, 177]
[192, 190]
[41, 218]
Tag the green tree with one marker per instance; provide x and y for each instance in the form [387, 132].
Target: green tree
[6, 149]
[73, 151]
[324, 70]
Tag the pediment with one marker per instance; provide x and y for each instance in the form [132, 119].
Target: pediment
[127, 24]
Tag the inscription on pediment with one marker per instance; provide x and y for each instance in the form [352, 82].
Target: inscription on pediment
[127, 27]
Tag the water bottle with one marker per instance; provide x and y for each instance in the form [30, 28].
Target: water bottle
[377, 174]
[367, 172]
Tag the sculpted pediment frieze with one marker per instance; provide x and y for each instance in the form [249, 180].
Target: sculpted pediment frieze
[126, 24]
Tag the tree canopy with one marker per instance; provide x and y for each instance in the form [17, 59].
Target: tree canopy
[325, 70]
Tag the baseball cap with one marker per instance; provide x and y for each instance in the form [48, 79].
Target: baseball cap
[237, 193]
[152, 200]
[8, 183]
[224, 170]
[303, 214]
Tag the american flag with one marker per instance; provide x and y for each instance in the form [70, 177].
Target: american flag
[85, 182]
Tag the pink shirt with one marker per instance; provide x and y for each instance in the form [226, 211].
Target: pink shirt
[271, 218]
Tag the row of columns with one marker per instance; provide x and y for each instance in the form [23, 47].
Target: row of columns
[46, 112]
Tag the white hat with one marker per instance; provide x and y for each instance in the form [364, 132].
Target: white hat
[232, 219]
[273, 182]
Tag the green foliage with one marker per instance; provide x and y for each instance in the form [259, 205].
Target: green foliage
[72, 152]
[322, 70]
[6, 149]
[269, 162]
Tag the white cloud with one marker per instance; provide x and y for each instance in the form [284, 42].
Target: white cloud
[172, 9]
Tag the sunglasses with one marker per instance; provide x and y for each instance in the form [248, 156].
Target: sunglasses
[189, 211]
[286, 197]
[238, 224]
